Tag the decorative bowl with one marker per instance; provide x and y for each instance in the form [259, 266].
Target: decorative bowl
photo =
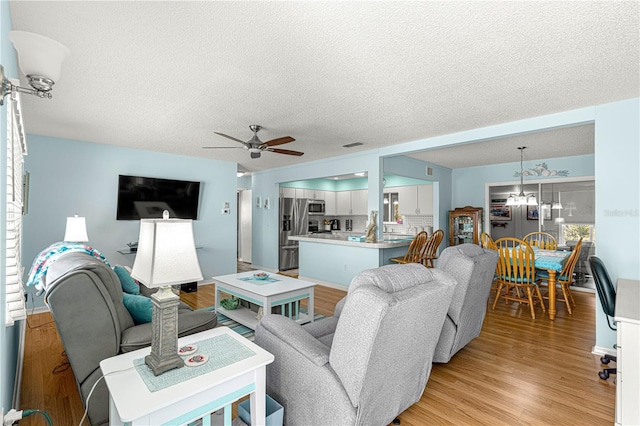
[229, 304]
[261, 276]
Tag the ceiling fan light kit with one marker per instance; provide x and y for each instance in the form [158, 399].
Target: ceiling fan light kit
[255, 146]
[522, 199]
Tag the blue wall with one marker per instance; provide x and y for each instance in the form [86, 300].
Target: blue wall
[72, 177]
[617, 154]
[469, 183]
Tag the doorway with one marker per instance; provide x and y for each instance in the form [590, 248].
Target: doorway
[565, 209]
[244, 226]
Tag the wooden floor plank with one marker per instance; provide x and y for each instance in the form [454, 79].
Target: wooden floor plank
[518, 371]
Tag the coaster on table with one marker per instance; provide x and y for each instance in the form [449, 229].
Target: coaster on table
[187, 350]
[196, 360]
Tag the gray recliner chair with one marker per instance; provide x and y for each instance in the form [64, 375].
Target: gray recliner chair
[473, 268]
[369, 363]
[85, 299]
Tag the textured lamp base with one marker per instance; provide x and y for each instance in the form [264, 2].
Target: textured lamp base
[164, 339]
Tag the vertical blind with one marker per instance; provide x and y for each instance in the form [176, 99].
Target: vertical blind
[16, 148]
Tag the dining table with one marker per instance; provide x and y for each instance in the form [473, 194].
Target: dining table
[551, 261]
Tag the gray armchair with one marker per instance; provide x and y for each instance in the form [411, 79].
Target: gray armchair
[370, 362]
[85, 298]
[473, 268]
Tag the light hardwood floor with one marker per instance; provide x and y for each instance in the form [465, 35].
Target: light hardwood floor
[519, 371]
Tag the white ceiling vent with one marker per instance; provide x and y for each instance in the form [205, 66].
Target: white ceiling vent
[352, 145]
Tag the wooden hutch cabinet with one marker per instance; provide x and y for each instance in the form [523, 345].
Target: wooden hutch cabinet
[465, 225]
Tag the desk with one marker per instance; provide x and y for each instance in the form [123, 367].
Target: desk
[132, 403]
[627, 317]
[552, 261]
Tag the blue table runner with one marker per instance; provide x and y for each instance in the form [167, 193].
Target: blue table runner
[223, 351]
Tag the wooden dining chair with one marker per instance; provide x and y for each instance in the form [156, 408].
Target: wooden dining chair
[431, 249]
[517, 274]
[542, 240]
[565, 278]
[416, 250]
[486, 241]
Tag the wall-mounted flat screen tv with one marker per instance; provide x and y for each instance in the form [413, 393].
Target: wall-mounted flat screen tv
[146, 198]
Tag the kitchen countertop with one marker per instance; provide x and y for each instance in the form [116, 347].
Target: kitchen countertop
[390, 240]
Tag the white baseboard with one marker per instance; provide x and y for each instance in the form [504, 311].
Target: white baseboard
[37, 310]
[324, 283]
[599, 350]
[262, 268]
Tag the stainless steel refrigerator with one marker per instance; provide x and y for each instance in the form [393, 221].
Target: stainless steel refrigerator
[294, 220]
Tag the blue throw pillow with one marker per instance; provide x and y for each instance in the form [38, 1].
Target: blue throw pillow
[139, 307]
[128, 284]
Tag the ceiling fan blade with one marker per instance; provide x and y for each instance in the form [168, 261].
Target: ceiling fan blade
[222, 147]
[285, 151]
[229, 137]
[279, 141]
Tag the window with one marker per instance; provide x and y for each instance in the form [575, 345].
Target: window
[390, 200]
[573, 232]
[16, 148]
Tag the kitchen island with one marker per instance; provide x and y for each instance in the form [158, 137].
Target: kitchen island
[333, 260]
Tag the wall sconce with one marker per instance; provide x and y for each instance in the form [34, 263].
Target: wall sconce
[40, 59]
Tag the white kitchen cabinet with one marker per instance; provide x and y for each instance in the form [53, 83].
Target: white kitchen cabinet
[314, 194]
[352, 202]
[407, 200]
[360, 202]
[415, 199]
[425, 199]
[330, 203]
[343, 203]
[286, 192]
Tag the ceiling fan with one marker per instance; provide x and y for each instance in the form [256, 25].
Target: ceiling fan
[256, 146]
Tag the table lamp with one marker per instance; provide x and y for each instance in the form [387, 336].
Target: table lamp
[166, 256]
[76, 230]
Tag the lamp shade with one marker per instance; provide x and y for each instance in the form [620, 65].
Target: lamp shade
[76, 230]
[39, 55]
[166, 253]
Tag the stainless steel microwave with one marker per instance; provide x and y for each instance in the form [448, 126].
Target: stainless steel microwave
[316, 207]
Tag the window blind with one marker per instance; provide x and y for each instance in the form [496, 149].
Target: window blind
[16, 148]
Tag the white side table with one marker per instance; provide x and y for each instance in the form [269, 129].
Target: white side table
[176, 402]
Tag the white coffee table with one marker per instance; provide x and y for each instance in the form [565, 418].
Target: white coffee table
[286, 292]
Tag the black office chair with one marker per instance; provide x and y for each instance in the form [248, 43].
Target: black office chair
[607, 295]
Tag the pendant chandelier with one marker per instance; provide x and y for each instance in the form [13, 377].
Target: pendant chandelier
[555, 205]
[522, 199]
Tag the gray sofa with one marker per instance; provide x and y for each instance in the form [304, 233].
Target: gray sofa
[473, 268]
[368, 363]
[85, 299]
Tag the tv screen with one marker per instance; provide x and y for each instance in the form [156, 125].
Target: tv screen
[146, 198]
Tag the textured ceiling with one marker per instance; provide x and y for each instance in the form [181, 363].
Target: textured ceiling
[166, 75]
[578, 140]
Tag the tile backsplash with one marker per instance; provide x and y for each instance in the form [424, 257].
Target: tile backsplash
[409, 221]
